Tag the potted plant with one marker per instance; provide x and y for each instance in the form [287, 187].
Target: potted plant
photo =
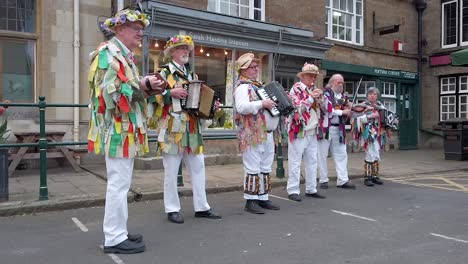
[4, 133]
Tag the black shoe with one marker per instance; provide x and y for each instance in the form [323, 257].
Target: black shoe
[324, 185]
[208, 214]
[125, 247]
[368, 182]
[315, 195]
[295, 197]
[268, 205]
[175, 217]
[252, 206]
[137, 238]
[377, 180]
[347, 185]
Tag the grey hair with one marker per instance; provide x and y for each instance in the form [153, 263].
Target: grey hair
[373, 90]
[334, 77]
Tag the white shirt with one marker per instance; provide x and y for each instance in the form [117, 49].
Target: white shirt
[243, 104]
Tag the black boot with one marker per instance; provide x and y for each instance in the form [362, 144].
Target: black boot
[268, 205]
[377, 180]
[375, 172]
[368, 169]
[368, 181]
[252, 206]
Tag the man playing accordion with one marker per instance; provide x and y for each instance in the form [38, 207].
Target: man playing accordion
[255, 135]
[179, 131]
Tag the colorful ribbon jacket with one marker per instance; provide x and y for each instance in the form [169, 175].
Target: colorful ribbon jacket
[331, 102]
[251, 127]
[366, 130]
[177, 131]
[304, 120]
[117, 125]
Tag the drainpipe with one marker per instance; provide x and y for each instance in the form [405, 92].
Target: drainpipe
[420, 6]
[120, 5]
[76, 70]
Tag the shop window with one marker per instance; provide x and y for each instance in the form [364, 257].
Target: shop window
[447, 107]
[454, 23]
[18, 15]
[344, 20]
[365, 85]
[17, 67]
[216, 67]
[251, 9]
[389, 104]
[448, 85]
[453, 97]
[349, 88]
[389, 89]
[463, 106]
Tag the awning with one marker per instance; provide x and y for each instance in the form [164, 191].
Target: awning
[460, 58]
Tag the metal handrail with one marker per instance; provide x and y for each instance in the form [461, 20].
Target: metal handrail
[43, 145]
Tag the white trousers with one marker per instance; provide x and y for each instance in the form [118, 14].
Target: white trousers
[258, 160]
[119, 178]
[338, 151]
[195, 165]
[302, 147]
[373, 151]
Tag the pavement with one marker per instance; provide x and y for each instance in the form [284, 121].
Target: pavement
[68, 189]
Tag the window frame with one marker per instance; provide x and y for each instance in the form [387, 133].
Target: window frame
[448, 112]
[390, 95]
[443, 24]
[455, 95]
[252, 9]
[449, 84]
[330, 10]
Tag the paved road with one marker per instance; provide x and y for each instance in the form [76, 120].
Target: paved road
[394, 223]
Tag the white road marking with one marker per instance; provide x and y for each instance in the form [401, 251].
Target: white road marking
[114, 257]
[278, 197]
[353, 215]
[79, 224]
[449, 238]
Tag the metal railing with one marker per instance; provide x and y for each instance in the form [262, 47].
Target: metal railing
[43, 144]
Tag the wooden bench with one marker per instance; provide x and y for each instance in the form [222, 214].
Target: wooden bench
[32, 153]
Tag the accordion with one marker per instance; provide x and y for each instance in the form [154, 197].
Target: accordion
[200, 100]
[275, 92]
[389, 119]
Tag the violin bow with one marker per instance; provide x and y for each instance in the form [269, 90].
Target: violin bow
[356, 91]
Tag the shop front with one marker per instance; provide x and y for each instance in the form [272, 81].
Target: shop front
[219, 41]
[398, 94]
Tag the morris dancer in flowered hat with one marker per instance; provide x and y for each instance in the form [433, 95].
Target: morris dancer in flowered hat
[179, 132]
[117, 127]
[302, 133]
[255, 138]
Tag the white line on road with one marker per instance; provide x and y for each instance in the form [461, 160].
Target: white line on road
[353, 215]
[114, 257]
[449, 238]
[80, 225]
[278, 197]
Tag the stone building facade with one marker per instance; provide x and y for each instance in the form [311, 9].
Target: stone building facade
[370, 42]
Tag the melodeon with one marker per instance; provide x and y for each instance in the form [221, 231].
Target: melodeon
[275, 92]
[200, 100]
[389, 119]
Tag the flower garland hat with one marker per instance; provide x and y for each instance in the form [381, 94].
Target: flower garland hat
[244, 61]
[308, 68]
[124, 16]
[176, 41]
